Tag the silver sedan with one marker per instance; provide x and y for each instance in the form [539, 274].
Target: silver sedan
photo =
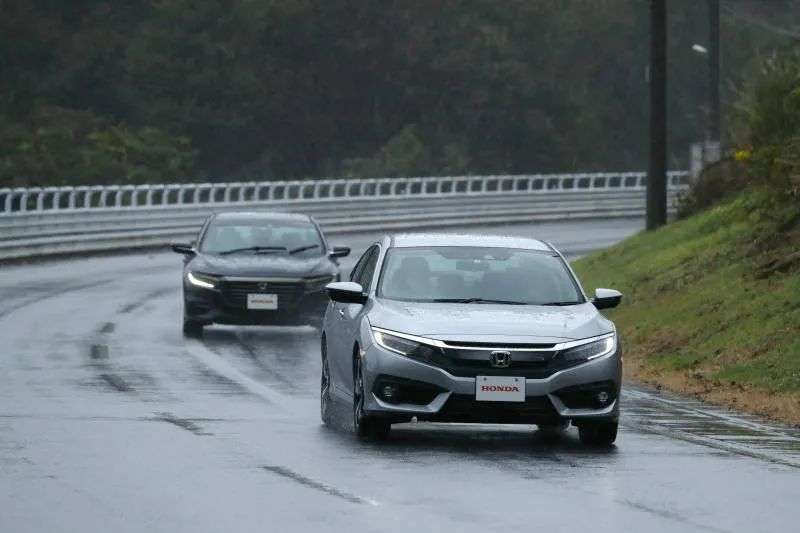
[460, 328]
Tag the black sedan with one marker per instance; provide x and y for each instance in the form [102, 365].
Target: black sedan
[257, 269]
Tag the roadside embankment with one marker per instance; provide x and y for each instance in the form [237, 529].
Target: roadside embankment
[712, 303]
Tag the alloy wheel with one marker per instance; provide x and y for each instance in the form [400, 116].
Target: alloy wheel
[358, 398]
[325, 386]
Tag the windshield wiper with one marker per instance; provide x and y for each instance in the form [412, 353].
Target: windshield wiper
[560, 303]
[257, 249]
[303, 248]
[478, 301]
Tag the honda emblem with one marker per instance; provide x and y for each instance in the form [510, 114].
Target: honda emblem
[500, 359]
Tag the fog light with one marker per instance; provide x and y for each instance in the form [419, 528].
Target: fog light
[602, 397]
[388, 392]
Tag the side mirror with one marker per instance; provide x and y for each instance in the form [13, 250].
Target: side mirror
[185, 249]
[606, 298]
[339, 251]
[346, 292]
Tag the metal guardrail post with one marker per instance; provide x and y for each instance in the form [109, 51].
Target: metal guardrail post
[75, 196]
[42, 197]
[70, 198]
[272, 188]
[104, 195]
[137, 190]
[23, 199]
[7, 199]
[148, 199]
[57, 195]
[126, 194]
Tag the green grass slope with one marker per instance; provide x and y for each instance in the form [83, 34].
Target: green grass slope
[712, 303]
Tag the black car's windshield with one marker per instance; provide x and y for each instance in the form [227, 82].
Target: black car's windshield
[297, 238]
[477, 275]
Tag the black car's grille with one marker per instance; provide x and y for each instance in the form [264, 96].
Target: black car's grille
[234, 293]
[464, 408]
[466, 362]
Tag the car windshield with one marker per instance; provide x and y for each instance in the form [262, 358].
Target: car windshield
[298, 238]
[474, 275]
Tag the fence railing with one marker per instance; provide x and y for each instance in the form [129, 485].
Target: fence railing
[37, 222]
[43, 199]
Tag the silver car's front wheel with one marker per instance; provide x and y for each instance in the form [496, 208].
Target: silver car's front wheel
[365, 426]
[325, 386]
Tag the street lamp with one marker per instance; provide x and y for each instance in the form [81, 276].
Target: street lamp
[709, 150]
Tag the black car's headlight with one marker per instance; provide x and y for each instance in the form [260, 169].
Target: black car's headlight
[590, 350]
[317, 283]
[204, 281]
[405, 345]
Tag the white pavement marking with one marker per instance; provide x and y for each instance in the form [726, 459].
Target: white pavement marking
[318, 485]
[224, 368]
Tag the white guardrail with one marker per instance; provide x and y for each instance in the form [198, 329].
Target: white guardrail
[58, 220]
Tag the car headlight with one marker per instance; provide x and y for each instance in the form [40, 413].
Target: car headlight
[405, 345]
[317, 283]
[590, 350]
[201, 280]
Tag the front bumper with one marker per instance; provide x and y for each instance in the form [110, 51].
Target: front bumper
[213, 307]
[564, 395]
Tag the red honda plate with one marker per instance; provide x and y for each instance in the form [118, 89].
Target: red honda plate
[499, 389]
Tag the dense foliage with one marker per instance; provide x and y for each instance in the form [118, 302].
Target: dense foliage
[770, 124]
[78, 147]
[97, 90]
[710, 305]
[766, 139]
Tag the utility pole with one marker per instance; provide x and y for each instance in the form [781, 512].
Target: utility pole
[657, 169]
[713, 72]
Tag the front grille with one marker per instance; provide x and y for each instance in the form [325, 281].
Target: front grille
[234, 293]
[465, 408]
[465, 362]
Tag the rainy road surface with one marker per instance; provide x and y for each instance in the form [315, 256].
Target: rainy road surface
[111, 421]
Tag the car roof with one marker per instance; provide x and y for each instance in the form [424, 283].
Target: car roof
[406, 240]
[233, 216]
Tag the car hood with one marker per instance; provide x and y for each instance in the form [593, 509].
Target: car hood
[264, 265]
[477, 322]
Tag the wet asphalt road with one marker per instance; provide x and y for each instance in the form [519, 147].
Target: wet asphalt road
[111, 421]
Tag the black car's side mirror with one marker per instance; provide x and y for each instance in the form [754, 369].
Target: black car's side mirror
[346, 292]
[340, 251]
[185, 249]
[606, 298]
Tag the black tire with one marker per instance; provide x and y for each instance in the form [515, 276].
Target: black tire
[325, 387]
[192, 328]
[365, 427]
[601, 434]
